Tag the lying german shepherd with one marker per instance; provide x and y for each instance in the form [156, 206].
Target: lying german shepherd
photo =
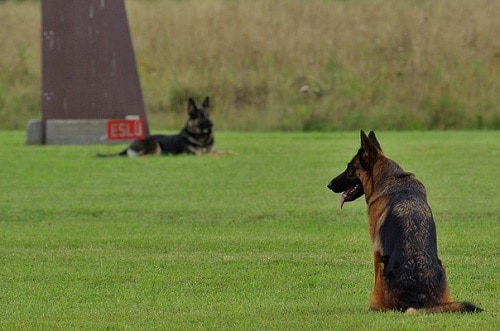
[196, 137]
[408, 273]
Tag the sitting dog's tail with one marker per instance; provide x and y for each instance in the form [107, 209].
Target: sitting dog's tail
[449, 307]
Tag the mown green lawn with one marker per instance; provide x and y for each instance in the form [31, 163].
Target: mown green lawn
[252, 240]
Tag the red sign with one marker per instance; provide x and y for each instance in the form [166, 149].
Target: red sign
[126, 129]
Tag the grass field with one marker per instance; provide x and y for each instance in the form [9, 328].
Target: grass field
[252, 240]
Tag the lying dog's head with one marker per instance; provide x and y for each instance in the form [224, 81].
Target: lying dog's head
[350, 182]
[199, 122]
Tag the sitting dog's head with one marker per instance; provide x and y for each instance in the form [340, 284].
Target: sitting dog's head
[350, 182]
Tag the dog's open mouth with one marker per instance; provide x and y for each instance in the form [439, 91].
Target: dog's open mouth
[351, 194]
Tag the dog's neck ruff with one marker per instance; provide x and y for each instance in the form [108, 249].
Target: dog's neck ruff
[199, 140]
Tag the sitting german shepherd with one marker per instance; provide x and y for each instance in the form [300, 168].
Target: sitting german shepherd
[196, 137]
[408, 273]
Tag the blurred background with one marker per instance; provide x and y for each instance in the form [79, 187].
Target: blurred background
[290, 65]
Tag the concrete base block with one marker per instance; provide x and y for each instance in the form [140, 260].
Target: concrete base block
[75, 132]
[34, 132]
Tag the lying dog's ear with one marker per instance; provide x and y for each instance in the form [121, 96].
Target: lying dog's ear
[206, 103]
[191, 106]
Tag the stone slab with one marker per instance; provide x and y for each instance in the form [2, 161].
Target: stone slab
[75, 132]
[34, 132]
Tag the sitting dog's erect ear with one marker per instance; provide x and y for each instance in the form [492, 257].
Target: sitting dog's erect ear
[374, 140]
[369, 150]
[370, 141]
[206, 103]
[365, 141]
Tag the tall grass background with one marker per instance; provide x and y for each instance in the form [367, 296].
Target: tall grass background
[291, 64]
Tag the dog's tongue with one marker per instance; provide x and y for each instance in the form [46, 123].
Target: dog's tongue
[342, 200]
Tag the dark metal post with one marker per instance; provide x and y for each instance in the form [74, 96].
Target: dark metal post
[88, 64]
